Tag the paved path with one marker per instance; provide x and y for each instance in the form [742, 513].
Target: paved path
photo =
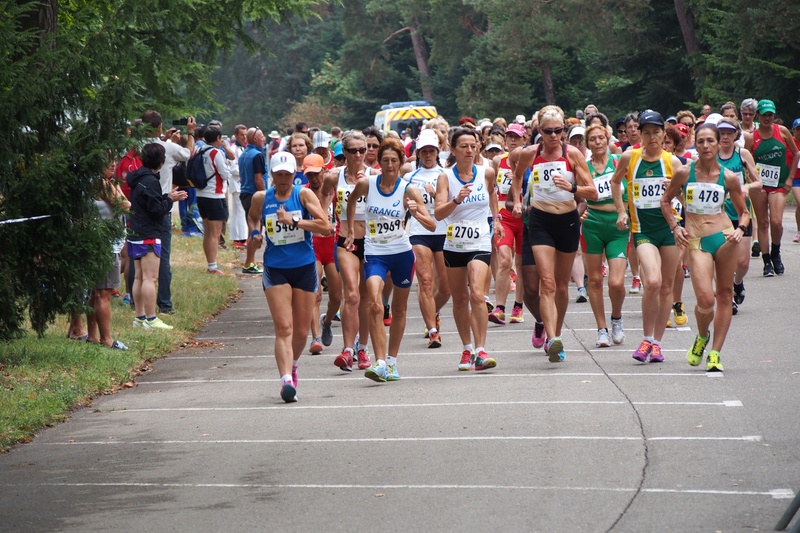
[597, 443]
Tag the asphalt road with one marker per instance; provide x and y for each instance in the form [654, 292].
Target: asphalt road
[597, 443]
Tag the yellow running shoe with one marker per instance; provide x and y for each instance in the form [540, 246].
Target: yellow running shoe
[713, 362]
[695, 355]
[680, 314]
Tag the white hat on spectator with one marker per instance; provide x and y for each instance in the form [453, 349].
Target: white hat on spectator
[520, 119]
[321, 139]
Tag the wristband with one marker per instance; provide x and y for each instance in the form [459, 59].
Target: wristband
[741, 227]
[457, 203]
[255, 233]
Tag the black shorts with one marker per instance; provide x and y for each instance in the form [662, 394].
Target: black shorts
[434, 242]
[358, 247]
[562, 232]
[303, 277]
[748, 232]
[527, 252]
[212, 208]
[462, 259]
[246, 198]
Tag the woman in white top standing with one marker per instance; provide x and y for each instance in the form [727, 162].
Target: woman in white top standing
[387, 249]
[467, 198]
[428, 246]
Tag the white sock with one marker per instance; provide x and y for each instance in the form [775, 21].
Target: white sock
[286, 378]
[480, 349]
[468, 347]
[649, 339]
[213, 266]
[360, 346]
[391, 360]
[657, 343]
[295, 364]
[381, 362]
[433, 330]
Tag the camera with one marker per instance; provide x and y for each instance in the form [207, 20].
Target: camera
[180, 122]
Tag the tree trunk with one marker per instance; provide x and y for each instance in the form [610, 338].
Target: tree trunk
[547, 81]
[421, 53]
[686, 20]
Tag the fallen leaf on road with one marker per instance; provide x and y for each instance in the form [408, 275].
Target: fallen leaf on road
[380, 495]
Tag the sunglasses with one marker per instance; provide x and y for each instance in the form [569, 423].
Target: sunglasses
[620, 131]
[555, 131]
[355, 151]
[374, 146]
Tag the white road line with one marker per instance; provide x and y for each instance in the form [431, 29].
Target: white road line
[403, 405]
[388, 440]
[778, 494]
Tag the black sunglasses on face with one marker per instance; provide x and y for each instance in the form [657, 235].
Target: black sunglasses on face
[555, 131]
[354, 151]
[374, 146]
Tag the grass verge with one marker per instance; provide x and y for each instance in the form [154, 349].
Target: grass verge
[42, 380]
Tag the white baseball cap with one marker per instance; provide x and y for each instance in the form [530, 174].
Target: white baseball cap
[321, 139]
[580, 130]
[520, 119]
[283, 161]
[427, 138]
[713, 118]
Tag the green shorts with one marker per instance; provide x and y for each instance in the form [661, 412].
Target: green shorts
[658, 238]
[710, 243]
[600, 234]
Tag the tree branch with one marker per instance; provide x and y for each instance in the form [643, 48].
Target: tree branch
[395, 34]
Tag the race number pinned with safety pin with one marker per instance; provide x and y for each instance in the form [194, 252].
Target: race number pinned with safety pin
[769, 175]
[282, 234]
[543, 174]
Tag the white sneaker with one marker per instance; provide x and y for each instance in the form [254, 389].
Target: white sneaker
[617, 333]
[602, 338]
[583, 296]
[156, 324]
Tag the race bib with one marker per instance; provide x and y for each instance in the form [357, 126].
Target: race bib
[283, 234]
[386, 231]
[429, 199]
[704, 198]
[464, 235]
[769, 174]
[503, 181]
[343, 195]
[603, 185]
[740, 176]
[647, 192]
[543, 175]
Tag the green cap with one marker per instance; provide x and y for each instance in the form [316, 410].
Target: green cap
[765, 106]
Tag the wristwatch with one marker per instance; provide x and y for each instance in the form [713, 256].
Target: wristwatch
[574, 188]
[295, 221]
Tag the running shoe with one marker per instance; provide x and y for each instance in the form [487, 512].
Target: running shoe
[643, 351]
[387, 315]
[695, 355]
[655, 354]
[434, 341]
[603, 340]
[489, 305]
[466, 361]
[796, 237]
[583, 296]
[288, 393]
[738, 293]
[338, 316]
[497, 316]
[483, 361]
[327, 331]
[516, 315]
[216, 272]
[617, 333]
[777, 264]
[138, 323]
[755, 250]
[538, 335]
[324, 283]
[157, 323]
[686, 272]
[438, 322]
[555, 350]
[768, 270]
[391, 373]
[377, 373]
[294, 376]
[344, 360]
[363, 359]
[316, 347]
[713, 364]
[680, 314]
[636, 285]
[252, 268]
[605, 270]
[126, 299]
[735, 308]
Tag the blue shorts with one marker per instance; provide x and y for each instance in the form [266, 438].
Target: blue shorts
[795, 182]
[400, 265]
[137, 251]
[434, 242]
[303, 277]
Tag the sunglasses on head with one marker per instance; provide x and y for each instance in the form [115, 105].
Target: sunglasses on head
[355, 151]
[554, 131]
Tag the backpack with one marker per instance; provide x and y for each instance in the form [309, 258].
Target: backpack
[196, 171]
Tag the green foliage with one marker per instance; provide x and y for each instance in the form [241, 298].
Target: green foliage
[68, 89]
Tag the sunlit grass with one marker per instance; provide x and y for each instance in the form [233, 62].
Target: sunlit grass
[42, 380]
